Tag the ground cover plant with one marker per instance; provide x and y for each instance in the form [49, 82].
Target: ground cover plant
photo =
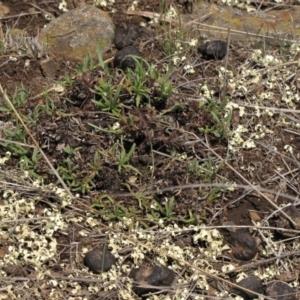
[180, 161]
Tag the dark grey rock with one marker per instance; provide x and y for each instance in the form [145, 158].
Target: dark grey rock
[126, 37]
[151, 275]
[243, 245]
[99, 260]
[252, 283]
[280, 290]
[216, 49]
[123, 60]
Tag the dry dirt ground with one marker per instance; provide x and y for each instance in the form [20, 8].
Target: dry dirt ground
[165, 177]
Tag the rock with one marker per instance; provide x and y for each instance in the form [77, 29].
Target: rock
[252, 283]
[48, 67]
[126, 37]
[76, 33]
[216, 49]
[243, 245]
[280, 290]
[99, 260]
[123, 60]
[151, 275]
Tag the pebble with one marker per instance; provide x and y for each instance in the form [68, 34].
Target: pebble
[151, 275]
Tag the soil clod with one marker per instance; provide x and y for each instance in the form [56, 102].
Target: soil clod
[126, 37]
[243, 245]
[252, 283]
[123, 59]
[280, 290]
[99, 260]
[215, 50]
[154, 276]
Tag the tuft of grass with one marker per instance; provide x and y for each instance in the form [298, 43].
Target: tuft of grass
[221, 122]
[122, 158]
[109, 96]
[18, 99]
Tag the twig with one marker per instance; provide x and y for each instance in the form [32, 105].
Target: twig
[261, 262]
[20, 15]
[16, 143]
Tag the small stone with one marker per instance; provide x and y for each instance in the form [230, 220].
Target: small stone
[151, 275]
[99, 260]
[243, 245]
[254, 216]
[48, 67]
[280, 290]
[216, 50]
[252, 283]
[127, 36]
[123, 60]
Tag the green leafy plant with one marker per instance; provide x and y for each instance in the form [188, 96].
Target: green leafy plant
[17, 136]
[109, 96]
[122, 157]
[88, 64]
[214, 194]
[113, 210]
[18, 99]
[206, 170]
[166, 87]
[221, 122]
[95, 165]
[166, 212]
[67, 172]
[135, 80]
[102, 64]
[71, 151]
[30, 164]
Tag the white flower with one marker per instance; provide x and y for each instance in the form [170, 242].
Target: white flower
[189, 69]
[193, 42]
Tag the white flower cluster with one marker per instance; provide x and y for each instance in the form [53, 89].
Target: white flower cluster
[262, 60]
[295, 49]
[214, 241]
[4, 159]
[104, 3]
[35, 243]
